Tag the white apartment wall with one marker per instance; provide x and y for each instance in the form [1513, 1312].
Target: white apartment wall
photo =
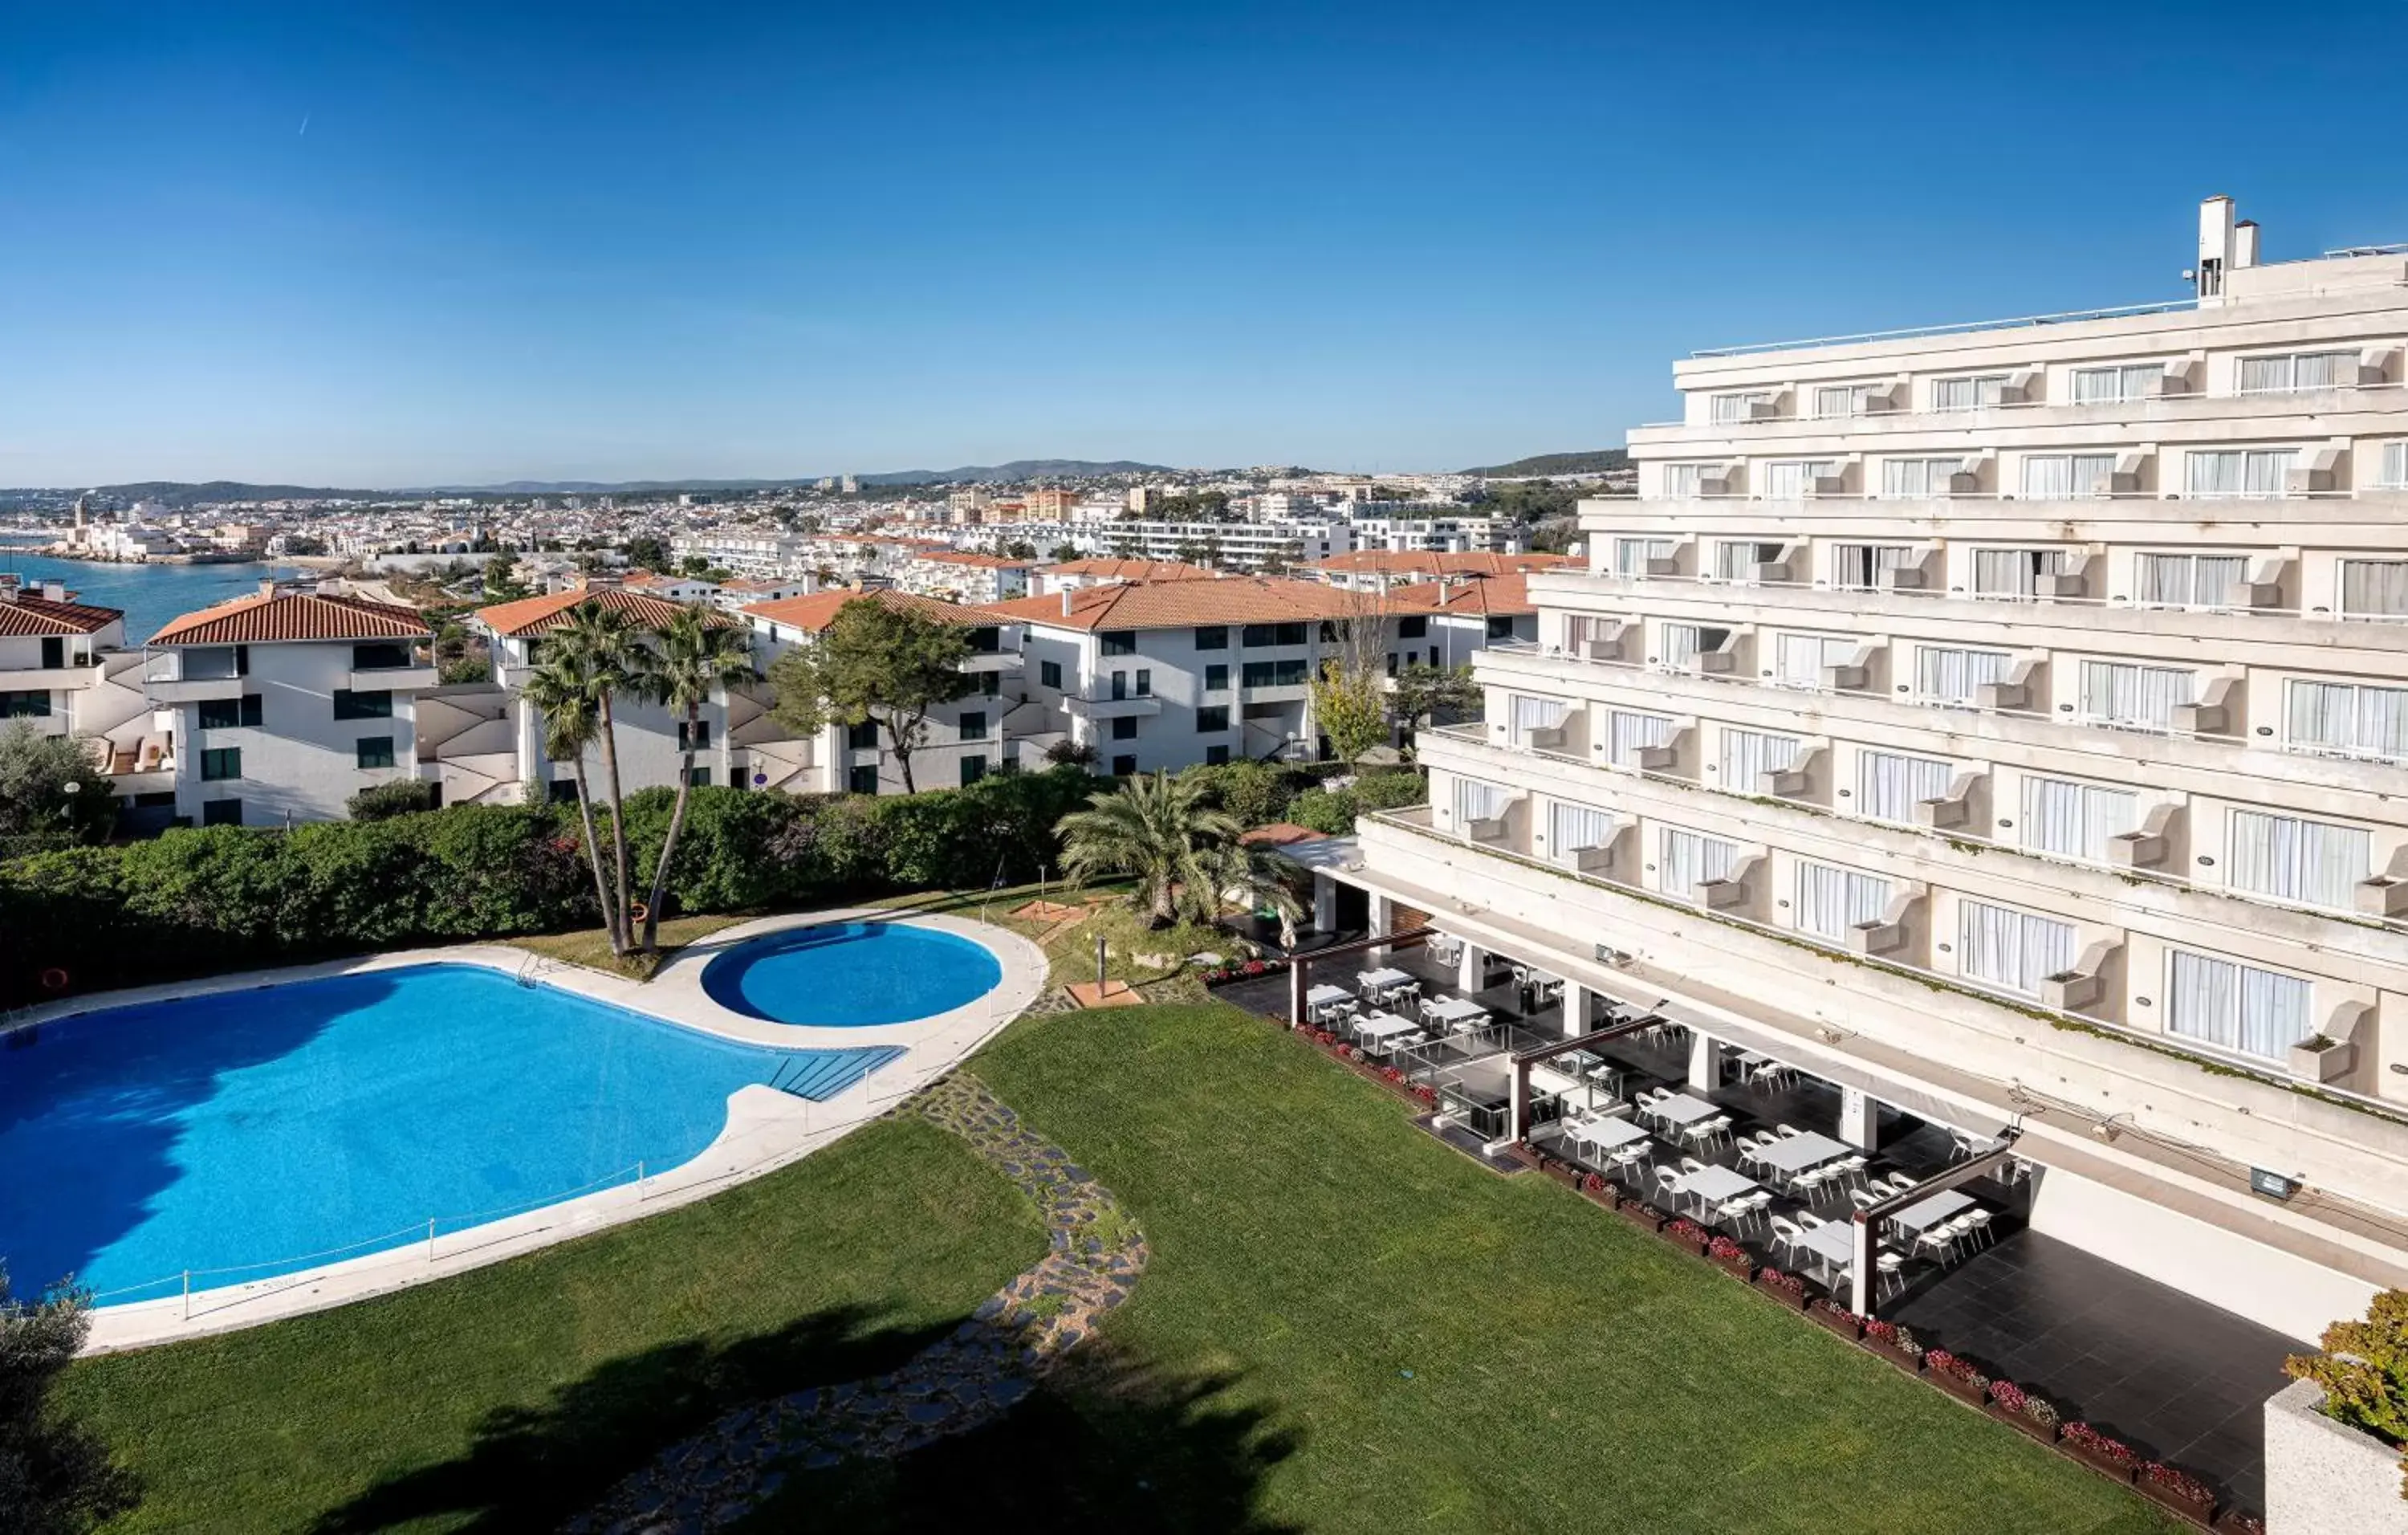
[936, 760]
[299, 762]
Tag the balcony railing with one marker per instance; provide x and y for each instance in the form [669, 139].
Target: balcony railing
[2234, 1062]
[2066, 317]
[2015, 407]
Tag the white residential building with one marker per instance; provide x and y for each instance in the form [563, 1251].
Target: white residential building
[65, 670]
[2004, 723]
[954, 576]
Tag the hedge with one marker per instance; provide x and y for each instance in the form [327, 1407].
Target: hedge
[222, 897]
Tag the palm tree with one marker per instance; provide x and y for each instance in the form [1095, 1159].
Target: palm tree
[607, 653]
[559, 688]
[691, 657]
[1256, 878]
[1161, 831]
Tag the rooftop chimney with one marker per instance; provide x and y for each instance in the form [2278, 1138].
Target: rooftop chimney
[2215, 248]
[2245, 244]
[54, 591]
[1066, 602]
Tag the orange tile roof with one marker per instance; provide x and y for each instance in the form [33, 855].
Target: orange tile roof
[30, 616]
[819, 609]
[260, 620]
[988, 562]
[1180, 604]
[1111, 569]
[538, 615]
[1426, 565]
[1497, 597]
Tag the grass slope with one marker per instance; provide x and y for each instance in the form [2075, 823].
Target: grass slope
[506, 1399]
[1349, 1326]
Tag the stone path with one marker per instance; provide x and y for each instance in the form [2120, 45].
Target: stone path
[989, 1363]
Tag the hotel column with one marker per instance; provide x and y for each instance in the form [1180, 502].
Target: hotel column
[1705, 1062]
[1859, 1119]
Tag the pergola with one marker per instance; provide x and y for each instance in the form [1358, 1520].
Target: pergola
[1299, 969]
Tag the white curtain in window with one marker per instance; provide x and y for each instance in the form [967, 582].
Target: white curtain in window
[1919, 477]
[2235, 1006]
[1687, 859]
[2076, 820]
[1799, 659]
[2374, 588]
[1478, 801]
[1945, 675]
[2349, 718]
[1680, 645]
[1731, 408]
[1789, 479]
[2012, 948]
[1749, 755]
[2132, 697]
[1575, 828]
[1531, 714]
[1686, 482]
[1889, 785]
[2297, 371]
[2013, 572]
[1627, 735]
[1736, 559]
[2187, 580]
[2309, 862]
[1842, 400]
[1631, 555]
[2058, 477]
[2226, 472]
[1831, 901]
[1968, 393]
[2105, 385]
[1858, 567]
[2393, 475]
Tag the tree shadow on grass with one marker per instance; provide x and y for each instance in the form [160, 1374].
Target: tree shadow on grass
[530, 1469]
[1107, 1442]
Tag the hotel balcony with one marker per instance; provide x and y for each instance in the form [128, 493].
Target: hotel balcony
[407, 679]
[1108, 708]
[51, 679]
[194, 690]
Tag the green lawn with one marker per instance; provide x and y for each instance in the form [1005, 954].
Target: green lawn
[1346, 1326]
[506, 1399]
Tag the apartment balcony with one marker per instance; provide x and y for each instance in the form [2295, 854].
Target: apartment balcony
[407, 679]
[51, 679]
[1004, 663]
[1276, 693]
[1107, 708]
[194, 690]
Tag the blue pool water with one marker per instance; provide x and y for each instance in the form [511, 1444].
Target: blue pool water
[851, 973]
[255, 1128]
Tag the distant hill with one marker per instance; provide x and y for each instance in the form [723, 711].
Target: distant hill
[1597, 462]
[177, 492]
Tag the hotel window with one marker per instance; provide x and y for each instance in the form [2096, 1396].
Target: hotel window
[2237, 472]
[1415, 627]
[862, 736]
[862, 780]
[1971, 394]
[2108, 386]
[1727, 408]
[2392, 474]
[974, 725]
[1919, 477]
[1212, 637]
[1631, 555]
[2013, 574]
[2064, 477]
[2076, 820]
[1682, 643]
[1216, 678]
[1049, 674]
[1945, 675]
[2126, 696]
[1858, 567]
[700, 779]
[1145, 681]
[221, 812]
[2237, 1007]
[2296, 372]
[2186, 581]
[1687, 860]
[1578, 828]
[2374, 588]
[1124, 728]
[1789, 479]
[1687, 482]
[1273, 633]
[1477, 801]
[373, 752]
[379, 657]
[694, 737]
[2015, 951]
[2308, 862]
[221, 763]
[32, 704]
[1749, 755]
[363, 706]
[1833, 400]
[1736, 559]
[1890, 785]
[1119, 642]
[1213, 719]
[2347, 720]
[1831, 901]
[1627, 735]
[1800, 660]
[230, 713]
[1535, 714]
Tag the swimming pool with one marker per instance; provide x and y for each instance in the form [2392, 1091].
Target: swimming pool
[252, 1129]
[851, 974]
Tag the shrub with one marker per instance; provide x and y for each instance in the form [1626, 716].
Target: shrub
[402, 797]
[1257, 793]
[1390, 791]
[1330, 811]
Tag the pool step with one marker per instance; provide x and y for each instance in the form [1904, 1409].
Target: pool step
[822, 1074]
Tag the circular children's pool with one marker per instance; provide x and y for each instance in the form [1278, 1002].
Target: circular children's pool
[848, 974]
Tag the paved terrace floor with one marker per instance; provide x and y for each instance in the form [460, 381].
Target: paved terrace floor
[2180, 1380]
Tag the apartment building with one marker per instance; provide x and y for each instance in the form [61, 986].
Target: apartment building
[282, 705]
[952, 575]
[1440, 528]
[1048, 581]
[1231, 546]
[1377, 569]
[2005, 722]
[963, 742]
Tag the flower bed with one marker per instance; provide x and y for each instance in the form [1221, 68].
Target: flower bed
[1838, 1319]
[1640, 1214]
[1223, 975]
[1894, 1344]
[2233, 1522]
[2110, 1457]
[1956, 1376]
[2174, 1488]
[1731, 1258]
[1788, 1288]
[2020, 1409]
[1684, 1234]
[1597, 1190]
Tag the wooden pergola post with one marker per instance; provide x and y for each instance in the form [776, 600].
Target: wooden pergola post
[1868, 1221]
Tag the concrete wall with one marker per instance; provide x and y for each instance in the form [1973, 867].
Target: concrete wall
[2326, 1478]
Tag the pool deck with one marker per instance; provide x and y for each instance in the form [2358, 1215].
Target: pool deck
[765, 1128]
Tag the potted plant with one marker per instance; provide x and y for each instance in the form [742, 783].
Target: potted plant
[1640, 1214]
[1684, 1234]
[1957, 1376]
[2234, 1522]
[1838, 1318]
[1599, 1190]
[2178, 1490]
[2020, 1409]
[1894, 1344]
[2110, 1457]
[1788, 1288]
[1731, 1258]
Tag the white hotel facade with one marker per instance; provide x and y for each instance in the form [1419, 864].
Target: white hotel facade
[2008, 722]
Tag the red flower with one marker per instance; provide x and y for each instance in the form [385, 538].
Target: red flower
[1723, 1247]
[2008, 1395]
[2099, 1444]
[2180, 1483]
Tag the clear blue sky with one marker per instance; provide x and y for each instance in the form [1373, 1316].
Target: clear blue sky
[609, 242]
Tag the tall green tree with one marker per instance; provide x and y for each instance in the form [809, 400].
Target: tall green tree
[55, 1477]
[873, 662]
[692, 656]
[1163, 832]
[51, 783]
[560, 689]
[603, 644]
[1350, 696]
[647, 550]
[1425, 692]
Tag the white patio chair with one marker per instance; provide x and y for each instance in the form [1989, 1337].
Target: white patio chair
[1786, 1235]
[1665, 1179]
[1808, 1185]
[1850, 1169]
[1976, 1224]
[1690, 1164]
[1889, 1270]
[1863, 1200]
[1941, 1241]
[1734, 1212]
[1811, 1221]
